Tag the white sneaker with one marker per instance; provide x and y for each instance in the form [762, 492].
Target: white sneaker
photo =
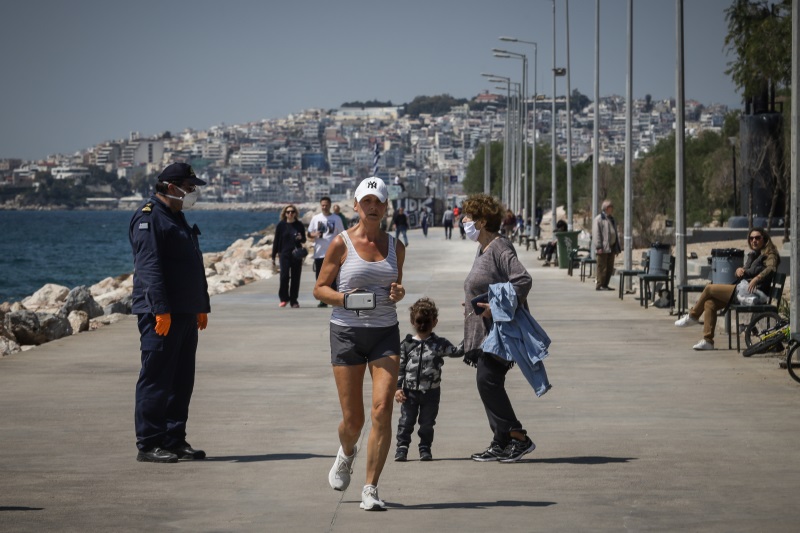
[370, 500]
[704, 345]
[339, 476]
[686, 320]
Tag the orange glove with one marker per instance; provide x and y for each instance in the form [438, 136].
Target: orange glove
[163, 322]
[202, 321]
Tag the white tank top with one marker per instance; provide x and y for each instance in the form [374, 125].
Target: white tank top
[375, 276]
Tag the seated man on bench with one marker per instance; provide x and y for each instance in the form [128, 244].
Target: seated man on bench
[549, 249]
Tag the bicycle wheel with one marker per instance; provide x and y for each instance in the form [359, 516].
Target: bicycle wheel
[764, 346]
[791, 361]
[753, 333]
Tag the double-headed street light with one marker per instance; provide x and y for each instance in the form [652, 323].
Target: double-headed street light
[532, 230]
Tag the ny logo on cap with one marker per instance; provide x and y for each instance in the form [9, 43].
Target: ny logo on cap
[372, 185]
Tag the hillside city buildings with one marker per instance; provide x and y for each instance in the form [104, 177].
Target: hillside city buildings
[327, 152]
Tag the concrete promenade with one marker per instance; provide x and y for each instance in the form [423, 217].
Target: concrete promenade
[639, 433]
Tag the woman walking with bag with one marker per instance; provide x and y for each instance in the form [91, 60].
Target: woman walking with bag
[368, 259]
[290, 235]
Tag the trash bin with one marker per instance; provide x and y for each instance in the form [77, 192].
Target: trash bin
[567, 241]
[657, 252]
[724, 262]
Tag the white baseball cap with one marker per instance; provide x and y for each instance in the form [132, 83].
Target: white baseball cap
[374, 186]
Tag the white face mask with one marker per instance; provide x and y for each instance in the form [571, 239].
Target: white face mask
[188, 199]
[471, 231]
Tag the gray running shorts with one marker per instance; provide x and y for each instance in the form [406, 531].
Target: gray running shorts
[359, 346]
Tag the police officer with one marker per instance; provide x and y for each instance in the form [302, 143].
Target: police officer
[170, 298]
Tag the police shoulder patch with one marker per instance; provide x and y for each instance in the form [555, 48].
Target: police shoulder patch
[147, 207]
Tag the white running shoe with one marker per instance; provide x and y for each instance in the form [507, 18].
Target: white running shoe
[339, 476]
[704, 345]
[686, 320]
[370, 500]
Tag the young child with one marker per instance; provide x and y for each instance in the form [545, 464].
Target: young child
[421, 360]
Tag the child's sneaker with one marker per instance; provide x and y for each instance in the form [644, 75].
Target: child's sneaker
[517, 448]
[425, 454]
[401, 455]
[339, 476]
[370, 500]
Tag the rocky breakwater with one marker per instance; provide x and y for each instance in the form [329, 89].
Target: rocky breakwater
[55, 311]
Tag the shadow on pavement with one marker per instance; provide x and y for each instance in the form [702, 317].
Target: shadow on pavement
[470, 505]
[586, 460]
[20, 508]
[268, 457]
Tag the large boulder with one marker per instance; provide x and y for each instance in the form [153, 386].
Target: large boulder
[113, 296]
[31, 328]
[80, 299]
[48, 299]
[105, 320]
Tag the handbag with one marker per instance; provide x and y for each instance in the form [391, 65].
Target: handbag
[299, 254]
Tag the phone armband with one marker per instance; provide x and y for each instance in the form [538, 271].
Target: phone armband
[359, 301]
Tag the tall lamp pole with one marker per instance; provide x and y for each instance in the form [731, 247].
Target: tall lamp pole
[494, 78]
[522, 198]
[533, 140]
[596, 128]
[569, 127]
[553, 129]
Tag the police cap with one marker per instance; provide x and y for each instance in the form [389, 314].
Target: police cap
[180, 172]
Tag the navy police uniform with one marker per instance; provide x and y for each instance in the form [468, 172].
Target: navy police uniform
[169, 277]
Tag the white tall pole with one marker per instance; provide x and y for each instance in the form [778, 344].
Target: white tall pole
[596, 132]
[533, 143]
[569, 127]
[628, 238]
[795, 177]
[680, 161]
[553, 128]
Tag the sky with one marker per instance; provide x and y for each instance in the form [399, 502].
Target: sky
[82, 72]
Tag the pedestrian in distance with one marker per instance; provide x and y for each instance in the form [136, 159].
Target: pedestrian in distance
[368, 263]
[338, 212]
[290, 235]
[400, 223]
[496, 262]
[758, 270]
[323, 228]
[550, 247]
[423, 221]
[418, 385]
[171, 302]
[606, 245]
[447, 221]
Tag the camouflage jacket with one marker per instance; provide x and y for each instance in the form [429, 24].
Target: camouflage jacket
[421, 362]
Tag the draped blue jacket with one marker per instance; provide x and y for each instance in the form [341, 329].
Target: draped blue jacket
[516, 336]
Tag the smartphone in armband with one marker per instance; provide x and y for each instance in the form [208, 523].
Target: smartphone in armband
[481, 298]
[359, 301]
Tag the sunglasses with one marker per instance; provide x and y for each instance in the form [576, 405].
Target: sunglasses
[290, 211]
[756, 238]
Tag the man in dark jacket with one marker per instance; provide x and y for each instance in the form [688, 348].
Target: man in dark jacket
[170, 298]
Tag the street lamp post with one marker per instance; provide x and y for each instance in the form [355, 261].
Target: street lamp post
[532, 230]
[569, 127]
[522, 197]
[494, 78]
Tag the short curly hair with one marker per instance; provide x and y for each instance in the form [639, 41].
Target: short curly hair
[424, 308]
[486, 208]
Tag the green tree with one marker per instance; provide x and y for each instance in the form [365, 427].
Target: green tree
[760, 37]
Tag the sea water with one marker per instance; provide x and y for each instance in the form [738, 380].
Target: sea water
[74, 248]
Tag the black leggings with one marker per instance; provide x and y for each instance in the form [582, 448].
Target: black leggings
[491, 379]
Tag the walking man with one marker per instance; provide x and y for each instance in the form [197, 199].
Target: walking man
[606, 244]
[323, 228]
[400, 222]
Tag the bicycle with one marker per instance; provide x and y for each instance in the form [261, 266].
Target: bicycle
[760, 337]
